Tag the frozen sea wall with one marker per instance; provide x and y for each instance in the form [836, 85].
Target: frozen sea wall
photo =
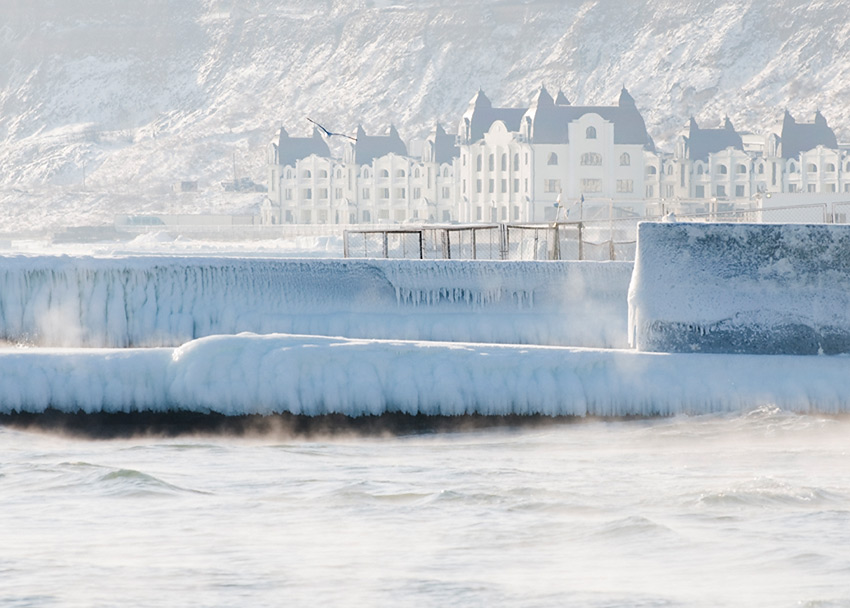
[314, 375]
[158, 301]
[741, 288]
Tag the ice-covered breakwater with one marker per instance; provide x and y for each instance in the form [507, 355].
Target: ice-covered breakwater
[741, 288]
[311, 375]
[156, 301]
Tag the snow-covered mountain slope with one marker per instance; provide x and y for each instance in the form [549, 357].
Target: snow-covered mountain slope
[105, 104]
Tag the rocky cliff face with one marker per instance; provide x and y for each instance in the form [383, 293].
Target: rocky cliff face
[104, 104]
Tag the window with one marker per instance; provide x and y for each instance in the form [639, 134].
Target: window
[625, 159]
[478, 185]
[721, 191]
[516, 184]
[366, 193]
[551, 185]
[526, 159]
[306, 174]
[464, 186]
[669, 190]
[553, 159]
[323, 173]
[504, 185]
[416, 172]
[323, 216]
[367, 217]
[625, 185]
[830, 188]
[289, 174]
[339, 173]
[447, 216]
[464, 160]
[792, 168]
[383, 214]
[700, 170]
[288, 194]
[846, 187]
[722, 170]
[792, 187]
[307, 193]
[491, 186]
[590, 133]
[323, 193]
[385, 193]
[669, 169]
[417, 193]
[591, 158]
[478, 214]
[739, 191]
[306, 216]
[365, 171]
[848, 167]
[830, 167]
[399, 215]
[491, 162]
[504, 162]
[516, 163]
[526, 184]
[516, 212]
[445, 171]
[400, 173]
[651, 170]
[447, 192]
[812, 168]
[761, 168]
[699, 192]
[650, 191]
[812, 188]
[338, 193]
[478, 163]
[385, 173]
[591, 185]
[741, 169]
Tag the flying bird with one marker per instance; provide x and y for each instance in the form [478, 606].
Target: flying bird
[328, 133]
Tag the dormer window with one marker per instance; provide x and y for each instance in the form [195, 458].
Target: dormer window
[590, 133]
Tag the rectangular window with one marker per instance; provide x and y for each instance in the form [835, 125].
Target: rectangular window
[478, 213]
[447, 216]
[504, 185]
[323, 216]
[366, 193]
[812, 187]
[491, 186]
[516, 185]
[447, 192]
[526, 185]
[739, 191]
[846, 187]
[400, 192]
[464, 186]
[478, 185]
[516, 212]
[668, 191]
[307, 193]
[385, 193]
[305, 216]
[650, 191]
[417, 193]
[625, 185]
[323, 193]
[699, 191]
[554, 185]
[721, 191]
[288, 194]
[830, 187]
[288, 217]
[792, 187]
[337, 193]
[504, 213]
[591, 185]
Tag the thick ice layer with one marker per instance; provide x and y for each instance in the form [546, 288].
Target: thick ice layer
[746, 288]
[317, 375]
[66, 301]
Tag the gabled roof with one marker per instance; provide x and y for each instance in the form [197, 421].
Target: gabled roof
[702, 142]
[480, 116]
[800, 137]
[292, 149]
[369, 147]
[549, 120]
[445, 146]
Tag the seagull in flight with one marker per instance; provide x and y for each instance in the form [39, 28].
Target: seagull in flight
[328, 133]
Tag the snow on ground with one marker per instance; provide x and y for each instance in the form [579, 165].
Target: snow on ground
[318, 375]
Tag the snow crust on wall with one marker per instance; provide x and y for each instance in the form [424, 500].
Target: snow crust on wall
[150, 301]
[745, 288]
[314, 375]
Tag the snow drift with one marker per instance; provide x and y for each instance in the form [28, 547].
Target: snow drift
[754, 288]
[149, 301]
[250, 374]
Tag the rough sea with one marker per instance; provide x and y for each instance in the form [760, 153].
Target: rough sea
[748, 509]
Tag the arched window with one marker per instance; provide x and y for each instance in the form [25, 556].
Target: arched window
[553, 159]
[761, 168]
[289, 174]
[625, 159]
[700, 170]
[416, 172]
[722, 170]
[400, 173]
[306, 174]
[478, 163]
[365, 171]
[445, 171]
[590, 133]
[792, 168]
[741, 169]
[339, 172]
[591, 158]
[385, 173]
[516, 163]
[651, 170]
[830, 167]
[323, 173]
[669, 169]
[812, 168]
[504, 162]
[491, 162]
